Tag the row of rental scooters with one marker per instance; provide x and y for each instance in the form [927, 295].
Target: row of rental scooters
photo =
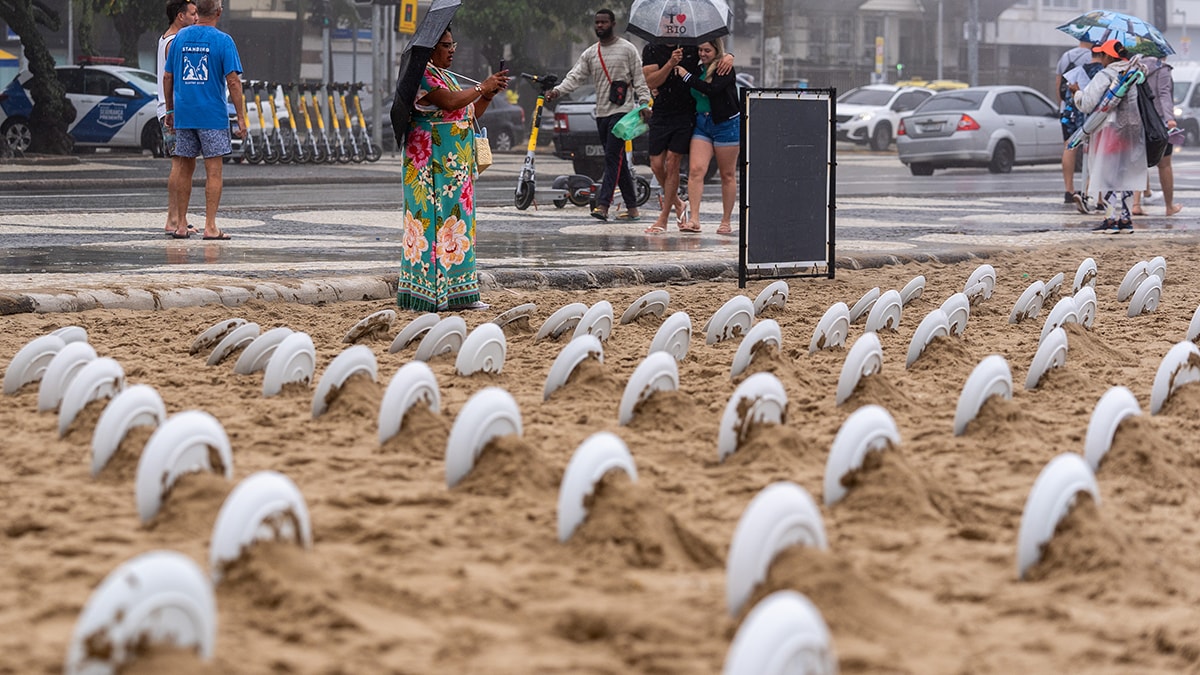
[275, 143]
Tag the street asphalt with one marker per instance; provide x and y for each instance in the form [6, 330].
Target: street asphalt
[82, 251]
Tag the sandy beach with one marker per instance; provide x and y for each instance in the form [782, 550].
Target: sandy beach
[408, 576]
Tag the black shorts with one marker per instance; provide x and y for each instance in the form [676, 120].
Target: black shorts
[672, 133]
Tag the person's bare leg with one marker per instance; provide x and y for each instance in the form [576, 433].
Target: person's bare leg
[700, 155]
[179, 190]
[1166, 181]
[1068, 168]
[658, 166]
[670, 185]
[212, 194]
[727, 157]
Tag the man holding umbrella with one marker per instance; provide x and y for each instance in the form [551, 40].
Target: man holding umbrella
[614, 67]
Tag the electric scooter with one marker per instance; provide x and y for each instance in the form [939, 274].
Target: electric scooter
[343, 155]
[328, 155]
[581, 190]
[297, 149]
[374, 152]
[527, 180]
[250, 152]
[357, 155]
[285, 153]
[266, 152]
[313, 152]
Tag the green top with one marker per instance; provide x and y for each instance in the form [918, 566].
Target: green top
[703, 105]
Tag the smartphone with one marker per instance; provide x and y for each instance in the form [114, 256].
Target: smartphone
[501, 70]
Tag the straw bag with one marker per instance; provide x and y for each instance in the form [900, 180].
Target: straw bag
[483, 150]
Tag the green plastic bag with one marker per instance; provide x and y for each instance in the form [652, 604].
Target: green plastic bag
[631, 125]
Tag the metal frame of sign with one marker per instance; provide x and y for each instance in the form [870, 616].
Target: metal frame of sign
[788, 176]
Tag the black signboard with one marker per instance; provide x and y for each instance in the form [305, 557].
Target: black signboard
[787, 183]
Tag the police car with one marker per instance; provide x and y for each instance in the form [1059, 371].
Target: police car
[115, 107]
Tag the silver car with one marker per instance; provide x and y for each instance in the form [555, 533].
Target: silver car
[997, 127]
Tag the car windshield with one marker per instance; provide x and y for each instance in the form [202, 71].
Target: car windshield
[953, 100]
[143, 79]
[1181, 90]
[867, 97]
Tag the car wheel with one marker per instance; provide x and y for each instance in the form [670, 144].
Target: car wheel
[921, 169]
[503, 140]
[1002, 158]
[152, 139]
[17, 133]
[881, 138]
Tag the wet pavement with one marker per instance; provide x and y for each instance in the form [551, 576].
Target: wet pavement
[102, 229]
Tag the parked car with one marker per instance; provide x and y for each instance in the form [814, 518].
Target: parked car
[114, 108]
[995, 127]
[871, 114]
[1186, 76]
[504, 121]
[577, 139]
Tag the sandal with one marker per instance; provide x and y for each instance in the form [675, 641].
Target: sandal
[655, 229]
[724, 229]
[600, 213]
[692, 228]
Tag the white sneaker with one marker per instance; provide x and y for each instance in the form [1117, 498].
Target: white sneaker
[1150, 198]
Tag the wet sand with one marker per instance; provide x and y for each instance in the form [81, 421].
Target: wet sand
[408, 576]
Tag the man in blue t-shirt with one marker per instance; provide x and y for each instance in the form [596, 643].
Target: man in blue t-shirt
[202, 63]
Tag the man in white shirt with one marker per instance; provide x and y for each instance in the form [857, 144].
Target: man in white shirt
[181, 13]
[611, 61]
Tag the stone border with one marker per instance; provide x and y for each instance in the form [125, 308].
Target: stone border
[340, 289]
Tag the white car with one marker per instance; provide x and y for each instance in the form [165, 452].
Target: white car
[871, 114]
[115, 107]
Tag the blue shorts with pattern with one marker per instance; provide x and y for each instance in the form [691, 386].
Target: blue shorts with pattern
[202, 143]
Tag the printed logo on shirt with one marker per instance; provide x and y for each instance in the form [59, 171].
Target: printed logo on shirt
[195, 64]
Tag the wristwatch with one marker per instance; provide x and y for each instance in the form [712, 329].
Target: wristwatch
[479, 89]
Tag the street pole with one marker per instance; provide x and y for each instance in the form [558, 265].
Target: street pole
[973, 43]
[940, 43]
[71, 32]
[772, 43]
[377, 45]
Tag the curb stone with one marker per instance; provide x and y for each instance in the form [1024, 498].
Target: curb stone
[340, 289]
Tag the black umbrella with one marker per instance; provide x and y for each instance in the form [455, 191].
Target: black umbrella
[412, 62]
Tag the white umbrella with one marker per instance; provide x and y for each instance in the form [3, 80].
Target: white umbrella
[682, 22]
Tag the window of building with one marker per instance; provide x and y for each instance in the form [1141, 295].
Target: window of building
[1063, 4]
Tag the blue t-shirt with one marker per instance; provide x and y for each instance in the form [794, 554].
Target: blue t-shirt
[200, 58]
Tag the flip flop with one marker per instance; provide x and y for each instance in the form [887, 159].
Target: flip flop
[191, 229]
[655, 229]
[220, 235]
[599, 213]
[176, 235]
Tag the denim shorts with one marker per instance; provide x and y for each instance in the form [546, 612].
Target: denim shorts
[720, 134]
[202, 143]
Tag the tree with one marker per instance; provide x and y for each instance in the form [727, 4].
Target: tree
[52, 112]
[506, 22]
[133, 18]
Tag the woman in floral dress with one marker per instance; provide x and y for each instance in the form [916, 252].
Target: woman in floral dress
[437, 270]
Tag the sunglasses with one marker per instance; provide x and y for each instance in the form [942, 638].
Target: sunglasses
[448, 45]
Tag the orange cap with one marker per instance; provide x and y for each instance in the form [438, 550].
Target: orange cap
[1109, 47]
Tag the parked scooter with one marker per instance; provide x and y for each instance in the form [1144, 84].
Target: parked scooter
[250, 152]
[373, 151]
[328, 155]
[527, 180]
[343, 154]
[299, 153]
[315, 151]
[265, 152]
[581, 190]
[277, 139]
[357, 155]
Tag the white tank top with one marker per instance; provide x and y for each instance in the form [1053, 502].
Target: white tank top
[164, 45]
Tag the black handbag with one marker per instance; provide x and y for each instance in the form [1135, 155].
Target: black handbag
[1153, 127]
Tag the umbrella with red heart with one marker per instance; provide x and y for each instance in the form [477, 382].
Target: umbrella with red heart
[679, 22]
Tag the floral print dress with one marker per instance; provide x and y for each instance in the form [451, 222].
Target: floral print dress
[437, 270]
